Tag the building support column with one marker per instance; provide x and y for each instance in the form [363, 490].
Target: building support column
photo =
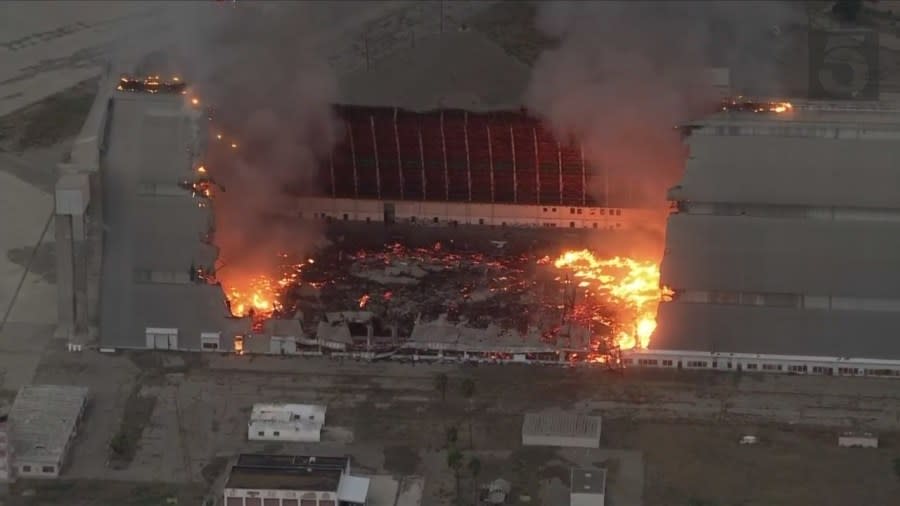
[559, 161]
[583, 178]
[353, 159]
[422, 162]
[468, 158]
[399, 158]
[512, 143]
[65, 275]
[537, 167]
[444, 150]
[375, 149]
[491, 161]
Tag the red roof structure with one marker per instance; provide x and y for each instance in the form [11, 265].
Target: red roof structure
[455, 156]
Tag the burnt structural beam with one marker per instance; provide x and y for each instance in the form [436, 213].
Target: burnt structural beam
[331, 167]
[399, 158]
[444, 150]
[468, 158]
[583, 177]
[490, 161]
[559, 162]
[353, 159]
[537, 166]
[512, 143]
[422, 161]
[375, 150]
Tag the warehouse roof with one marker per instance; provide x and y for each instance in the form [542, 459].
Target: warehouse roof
[42, 419]
[287, 472]
[561, 424]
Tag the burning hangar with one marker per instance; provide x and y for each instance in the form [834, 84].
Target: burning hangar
[781, 251]
[747, 285]
[461, 167]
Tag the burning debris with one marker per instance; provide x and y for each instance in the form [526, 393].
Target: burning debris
[153, 85]
[741, 104]
[613, 301]
[632, 286]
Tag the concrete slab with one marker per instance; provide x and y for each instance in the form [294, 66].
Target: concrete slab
[26, 213]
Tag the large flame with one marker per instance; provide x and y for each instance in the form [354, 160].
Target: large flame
[259, 295]
[632, 284]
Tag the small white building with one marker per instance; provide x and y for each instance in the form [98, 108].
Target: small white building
[42, 424]
[588, 487]
[286, 422]
[561, 430]
[858, 440]
[288, 480]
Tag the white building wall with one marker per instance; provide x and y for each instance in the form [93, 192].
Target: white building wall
[560, 441]
[586, 499]
[248, 497]
[746, 362]
[446, 213]
[857, 441]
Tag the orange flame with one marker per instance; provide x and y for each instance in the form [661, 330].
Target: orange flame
[633, 284]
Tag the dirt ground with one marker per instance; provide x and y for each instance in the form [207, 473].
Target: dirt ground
[390, 418]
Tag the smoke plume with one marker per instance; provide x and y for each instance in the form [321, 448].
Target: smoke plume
[257, 67]
[625, 73]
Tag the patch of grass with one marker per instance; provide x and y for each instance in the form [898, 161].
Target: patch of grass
[213, 469]
[50, 121]
[124, 444]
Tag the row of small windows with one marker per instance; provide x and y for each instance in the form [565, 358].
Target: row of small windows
[578, 210]
[44, 469]
[412, 219]
[769, 367]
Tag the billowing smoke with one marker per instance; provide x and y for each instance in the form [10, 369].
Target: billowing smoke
[625, 73]
[258, 67]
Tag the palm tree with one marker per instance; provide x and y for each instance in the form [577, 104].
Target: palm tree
[454, 462]
[440, 384]
[475, 470]
[468, 388]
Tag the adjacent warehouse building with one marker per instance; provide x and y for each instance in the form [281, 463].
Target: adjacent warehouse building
[157, 231]
[561, 429]
[42, 423]
[782, 250]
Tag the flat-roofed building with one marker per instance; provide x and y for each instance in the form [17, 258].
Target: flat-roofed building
[288, 480]
[286, 422]
[561, 429]
[43, 422]
[785, 238]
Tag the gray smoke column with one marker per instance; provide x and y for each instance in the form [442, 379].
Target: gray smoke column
[257, 66]
[625, 73]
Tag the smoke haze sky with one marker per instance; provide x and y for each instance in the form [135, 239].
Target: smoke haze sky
[625, 73]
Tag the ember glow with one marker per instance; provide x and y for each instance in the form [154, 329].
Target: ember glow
[631, 284]
[258, 296]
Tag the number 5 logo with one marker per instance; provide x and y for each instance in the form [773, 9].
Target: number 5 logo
[843, 65]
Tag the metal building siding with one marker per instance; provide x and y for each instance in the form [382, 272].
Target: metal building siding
[787, 256]
[792, 171]
[778, 331]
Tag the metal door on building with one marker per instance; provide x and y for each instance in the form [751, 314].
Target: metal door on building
[390, 213]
